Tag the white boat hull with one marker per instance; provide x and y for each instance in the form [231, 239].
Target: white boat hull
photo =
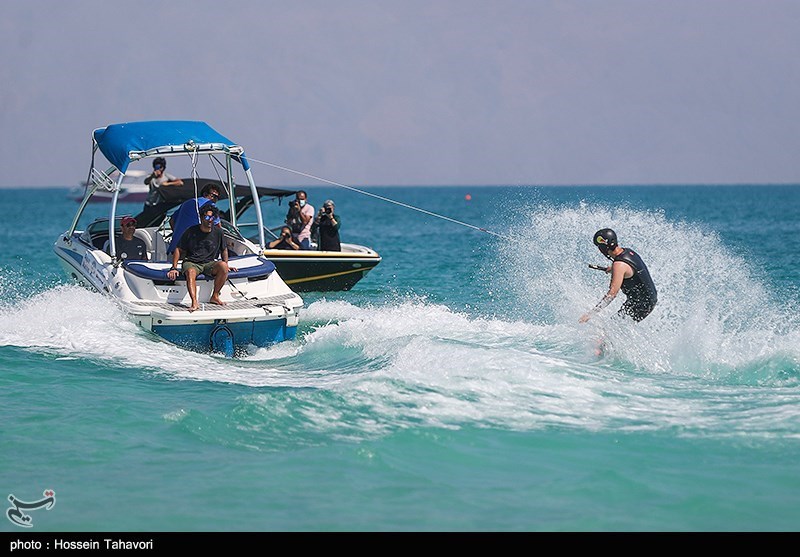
[258, 311]
[256, 307]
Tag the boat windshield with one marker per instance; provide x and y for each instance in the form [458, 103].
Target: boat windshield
[97, 232]
[230, 230]
[100, 226]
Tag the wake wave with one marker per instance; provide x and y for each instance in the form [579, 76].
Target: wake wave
[713, 316]
[703, 327]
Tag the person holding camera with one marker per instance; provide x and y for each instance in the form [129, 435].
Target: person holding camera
[284, 241]
[293, 220]
[300, 218]
[158, 179]
[327, 226]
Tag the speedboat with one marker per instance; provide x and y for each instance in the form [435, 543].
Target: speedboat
[132, 189]
[323, 271]
[303, 270]
[259, 309]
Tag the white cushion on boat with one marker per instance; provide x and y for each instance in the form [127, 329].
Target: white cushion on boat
[247, 266]
[145, 237]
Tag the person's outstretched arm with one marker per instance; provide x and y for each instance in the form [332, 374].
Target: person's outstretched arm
[617, 276]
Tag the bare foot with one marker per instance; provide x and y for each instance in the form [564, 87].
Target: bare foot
[216, 300]
[194, 308]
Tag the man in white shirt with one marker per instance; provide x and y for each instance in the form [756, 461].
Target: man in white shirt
[307, 218]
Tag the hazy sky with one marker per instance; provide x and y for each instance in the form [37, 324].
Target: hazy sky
[379, 92]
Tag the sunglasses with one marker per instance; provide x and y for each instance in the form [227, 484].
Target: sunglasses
[208, 217]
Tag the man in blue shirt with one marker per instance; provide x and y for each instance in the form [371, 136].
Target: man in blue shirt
[187, 214]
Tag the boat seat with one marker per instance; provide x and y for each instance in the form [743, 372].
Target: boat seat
[145, 237]
[251, 267]
[101, 242]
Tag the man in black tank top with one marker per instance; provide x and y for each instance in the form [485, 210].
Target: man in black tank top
[629, 274]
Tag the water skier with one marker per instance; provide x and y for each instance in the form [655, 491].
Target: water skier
[629, 274]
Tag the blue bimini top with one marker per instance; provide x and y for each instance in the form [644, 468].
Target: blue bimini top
[122, 143]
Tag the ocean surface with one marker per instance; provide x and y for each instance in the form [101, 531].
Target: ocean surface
[452, 389]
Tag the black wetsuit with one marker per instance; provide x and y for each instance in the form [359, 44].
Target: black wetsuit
[639, 289]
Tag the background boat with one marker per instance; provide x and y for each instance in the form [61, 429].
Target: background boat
[133, 189]
[303, 270]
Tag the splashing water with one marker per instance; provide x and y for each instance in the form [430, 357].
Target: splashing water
[713, 314]
[381, 368]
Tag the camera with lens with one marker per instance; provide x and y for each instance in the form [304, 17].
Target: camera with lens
[329, 210]
[293, 204]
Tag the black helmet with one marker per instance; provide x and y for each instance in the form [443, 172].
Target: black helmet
[160, 161]
[605, 240]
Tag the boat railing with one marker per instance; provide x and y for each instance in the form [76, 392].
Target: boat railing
[101, 180]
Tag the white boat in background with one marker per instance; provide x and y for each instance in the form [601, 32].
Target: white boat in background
[132, 189]
[260, 309]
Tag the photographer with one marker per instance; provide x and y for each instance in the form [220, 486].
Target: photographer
[327, 226]
[158, 179]
[284, 241]
[299, 219]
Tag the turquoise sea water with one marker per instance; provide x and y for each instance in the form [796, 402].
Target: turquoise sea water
[451, 390]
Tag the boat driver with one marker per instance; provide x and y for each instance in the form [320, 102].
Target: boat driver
[128, 246]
